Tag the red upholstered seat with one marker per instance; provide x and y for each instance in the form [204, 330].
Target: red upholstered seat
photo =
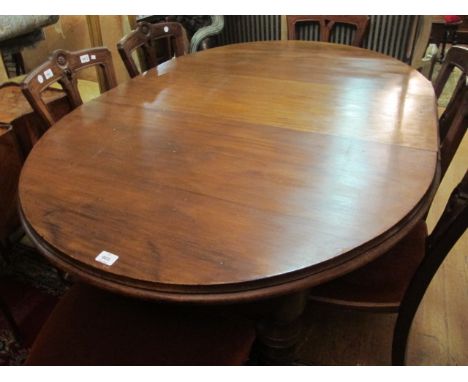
[452, 19]
[93, 327]
[381, 283]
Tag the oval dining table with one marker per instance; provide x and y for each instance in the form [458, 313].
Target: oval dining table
[237, 174]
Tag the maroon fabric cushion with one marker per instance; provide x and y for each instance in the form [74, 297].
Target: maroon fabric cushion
[29, 307]
[93, 327]
[452, 19]
[381, 283]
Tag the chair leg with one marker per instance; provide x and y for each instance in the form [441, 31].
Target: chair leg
[410, 304]
[400, 336]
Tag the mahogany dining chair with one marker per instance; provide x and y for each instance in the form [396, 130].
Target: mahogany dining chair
[62, 67]
[450, 227]
[145, 39]
[327, 25]
[452, 121]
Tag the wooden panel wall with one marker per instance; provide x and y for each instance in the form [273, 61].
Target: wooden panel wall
[111, 30]
[70, 32]
[74, 33]
[3, 73]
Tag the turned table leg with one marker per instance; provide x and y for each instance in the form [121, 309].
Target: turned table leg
[280, 332]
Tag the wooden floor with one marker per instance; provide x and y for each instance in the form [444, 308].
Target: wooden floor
[439, 335]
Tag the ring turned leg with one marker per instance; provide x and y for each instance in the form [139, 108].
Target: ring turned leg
[279, 333]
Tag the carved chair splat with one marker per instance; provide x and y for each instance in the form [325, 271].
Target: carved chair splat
[62, 67]
[454, 120]
[143, 38]
[327, 23]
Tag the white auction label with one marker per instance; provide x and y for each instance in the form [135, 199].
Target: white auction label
[84, 58]
[106, 258]
[40, 79]
[93, 57]
[48, 74]
[166, 29]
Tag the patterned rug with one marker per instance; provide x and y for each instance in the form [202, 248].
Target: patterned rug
[30, 288]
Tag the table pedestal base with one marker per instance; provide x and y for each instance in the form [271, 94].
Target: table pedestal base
[279, 334]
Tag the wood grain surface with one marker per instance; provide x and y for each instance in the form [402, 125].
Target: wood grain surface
[240, 172]
[14, 104]
[16, 111]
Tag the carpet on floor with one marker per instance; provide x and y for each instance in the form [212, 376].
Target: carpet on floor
[29, 287]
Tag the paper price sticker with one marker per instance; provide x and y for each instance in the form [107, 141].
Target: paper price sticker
[84, 58]
[40, 79]
[106, 258]
[48, 74]
[93, 57]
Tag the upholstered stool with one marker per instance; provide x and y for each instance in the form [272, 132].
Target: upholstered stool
[93, 327]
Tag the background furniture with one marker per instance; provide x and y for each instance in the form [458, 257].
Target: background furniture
[327, 31]
[202, 31]
[16, 32]
[389, 34]
[462, 31]
[147, 40]
[400, 32]
[444, 32]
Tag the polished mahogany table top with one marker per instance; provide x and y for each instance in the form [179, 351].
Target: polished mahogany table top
[236, 173]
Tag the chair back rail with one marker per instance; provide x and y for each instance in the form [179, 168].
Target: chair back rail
[62, 67]
[143, 38]
[454, 120]
[327, 24]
